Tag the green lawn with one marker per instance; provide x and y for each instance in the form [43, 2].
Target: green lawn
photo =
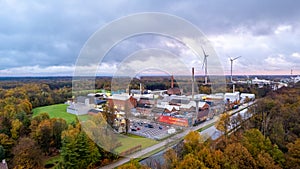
[57, 110]
[84, 117]
[131, 141]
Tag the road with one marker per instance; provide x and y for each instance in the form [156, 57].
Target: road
[166, 143]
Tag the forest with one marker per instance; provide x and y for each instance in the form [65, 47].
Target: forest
[29, 142]
[270, 139]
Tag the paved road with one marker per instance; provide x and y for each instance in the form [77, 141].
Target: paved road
[210, 132]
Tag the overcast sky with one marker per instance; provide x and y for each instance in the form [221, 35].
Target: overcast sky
[41, 38]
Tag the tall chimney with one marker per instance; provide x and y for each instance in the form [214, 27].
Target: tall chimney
[172, 82]
[141, 90]
[193, 81]
[233, 88]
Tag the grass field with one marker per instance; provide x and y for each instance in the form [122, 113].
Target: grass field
[131, 141]
[57, 110]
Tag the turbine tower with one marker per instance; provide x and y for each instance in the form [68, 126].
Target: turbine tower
[231, 61]
[205, 64]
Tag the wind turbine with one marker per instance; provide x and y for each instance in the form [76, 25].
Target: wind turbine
[205, 64]
[231, 61]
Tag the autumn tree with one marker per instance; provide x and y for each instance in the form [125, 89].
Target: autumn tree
[293, 155]
[24, 119]
[44, 135]
[265, 161]
[190, 161]
[15, 130]
[27, 154]
[192, 142]
[58, 126]
[256, 144]
[223, 124]
[7, 143]
[109, 114]
[171, 159]
[36, 121]
[237, 156]
[133, 164]
[211, 158]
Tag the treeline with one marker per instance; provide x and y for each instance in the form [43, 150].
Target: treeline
[36, 94]
[277, 116]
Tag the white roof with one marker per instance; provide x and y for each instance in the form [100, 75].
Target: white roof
[192, 104]
[119, 97]
[183, 106]
[197, 96]
[168, 107]
[247, 94]
[231, 94]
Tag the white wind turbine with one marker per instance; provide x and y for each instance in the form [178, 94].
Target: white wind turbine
[231, 61]
[205, 65]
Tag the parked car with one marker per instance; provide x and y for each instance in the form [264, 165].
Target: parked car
[235, 107]
[150, 126]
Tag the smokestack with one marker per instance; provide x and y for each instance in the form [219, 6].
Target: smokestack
[193, 81]
[172, 82]
[233, 88]
[141, 88]
[197, 107]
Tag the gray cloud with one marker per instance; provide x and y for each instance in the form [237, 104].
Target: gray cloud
[51, 33]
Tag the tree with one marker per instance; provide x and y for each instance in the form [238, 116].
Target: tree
[44, 135]
[58, 126]
[27, 154]
[5, 124]
[264, 160]
[36, 121]
[293, 155]
[190, 161]
[77, 150]
[223, 124]
[101, 132]
[237, 156]
[16, 126]
[23, 117]
[192, 142]
[2, 152]
[133, 164]
[6, 141]
[211, 158]
[171, 159]
[256, 144]
[109, 114]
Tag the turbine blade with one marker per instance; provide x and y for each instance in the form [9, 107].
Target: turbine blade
[205, 55]
[204, 60]
[236, 58]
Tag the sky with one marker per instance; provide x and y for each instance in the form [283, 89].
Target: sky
[44, 38]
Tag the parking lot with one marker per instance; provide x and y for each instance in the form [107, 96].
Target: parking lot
[149, 129]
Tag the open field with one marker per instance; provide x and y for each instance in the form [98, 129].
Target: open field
[57, 110]
[131, 141]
